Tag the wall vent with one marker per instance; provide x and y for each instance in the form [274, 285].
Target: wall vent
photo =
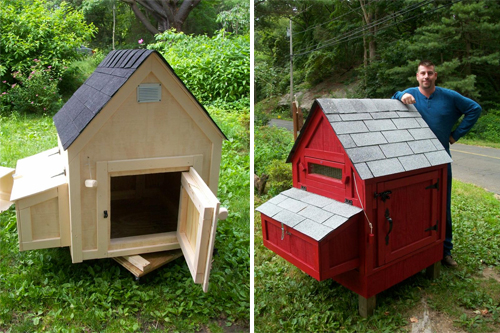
[149, 92]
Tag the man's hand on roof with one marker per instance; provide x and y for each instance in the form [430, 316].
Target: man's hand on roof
[408, 99]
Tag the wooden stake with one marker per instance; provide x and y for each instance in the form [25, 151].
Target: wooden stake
[367, 306]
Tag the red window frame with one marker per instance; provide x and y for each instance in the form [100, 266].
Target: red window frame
[325, 179]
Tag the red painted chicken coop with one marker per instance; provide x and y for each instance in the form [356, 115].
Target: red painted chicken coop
[368, 206]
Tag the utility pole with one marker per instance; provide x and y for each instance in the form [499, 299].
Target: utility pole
[114, 23]
[291, 70]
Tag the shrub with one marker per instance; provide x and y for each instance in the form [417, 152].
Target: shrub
[271, 143]
[487, 127]
[213, 69]
[280, 177]
[35, 91]
[30, 29]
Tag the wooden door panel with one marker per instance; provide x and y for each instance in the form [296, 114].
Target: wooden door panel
[411, 206]
[198, 211]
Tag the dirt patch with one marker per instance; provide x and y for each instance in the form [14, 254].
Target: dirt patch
[425, 320]
[489, 272]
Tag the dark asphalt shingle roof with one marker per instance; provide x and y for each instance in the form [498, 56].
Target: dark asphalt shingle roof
[380, 136]
[98, 90]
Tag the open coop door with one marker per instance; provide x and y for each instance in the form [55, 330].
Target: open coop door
[197, 224]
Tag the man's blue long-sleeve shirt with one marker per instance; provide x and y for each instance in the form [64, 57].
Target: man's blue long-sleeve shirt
[442, 110]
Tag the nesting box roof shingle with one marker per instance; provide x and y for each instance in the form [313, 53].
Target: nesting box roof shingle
[380, 136]
[97, 91]
[311, 214]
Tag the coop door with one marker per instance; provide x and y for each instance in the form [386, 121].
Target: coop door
[407, 215]
[197, 224]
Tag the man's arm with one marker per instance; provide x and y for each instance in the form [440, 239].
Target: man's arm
[404, 97]
[471, 111]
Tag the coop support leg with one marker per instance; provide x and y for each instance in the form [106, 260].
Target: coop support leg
[433, 271]
[366, 306]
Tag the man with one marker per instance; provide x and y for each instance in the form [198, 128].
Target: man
[441, 108]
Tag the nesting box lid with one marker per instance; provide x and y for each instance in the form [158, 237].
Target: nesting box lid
[380, 136]
[111, 74]
[311, 214]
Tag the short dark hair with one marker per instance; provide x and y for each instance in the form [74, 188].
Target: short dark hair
[426, 63]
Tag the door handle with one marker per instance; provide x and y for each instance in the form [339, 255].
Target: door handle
[388, 218]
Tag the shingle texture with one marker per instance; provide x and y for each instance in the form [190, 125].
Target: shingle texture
[382, 136]
[98, 90]
[311, 214]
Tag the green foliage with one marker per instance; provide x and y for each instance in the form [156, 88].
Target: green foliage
[128, 29]
[213, 69]
[236, 19]
[261, 117]
[31, 31]
[42, 290]
[271, 143]
[36, 91]
[36, 46]
[280, 177]
[77, 73]
[487, 128]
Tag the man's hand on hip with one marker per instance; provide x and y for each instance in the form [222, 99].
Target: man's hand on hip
[408, 99]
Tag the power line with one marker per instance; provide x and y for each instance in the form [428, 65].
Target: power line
[366, 27]
[357, 33]
[332, 20]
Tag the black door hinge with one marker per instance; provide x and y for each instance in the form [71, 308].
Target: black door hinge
[384, 195]
[434, 227]
[433, 186]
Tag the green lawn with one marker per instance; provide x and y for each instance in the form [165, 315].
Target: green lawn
[41, 290]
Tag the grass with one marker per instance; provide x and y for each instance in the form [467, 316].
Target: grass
[480, 143]
[41, 290]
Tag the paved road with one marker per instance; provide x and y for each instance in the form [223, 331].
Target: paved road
[477, 165]
[471, 164]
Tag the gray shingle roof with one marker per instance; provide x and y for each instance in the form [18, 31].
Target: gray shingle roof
[381, 136]
[311, 214]
[98, 90]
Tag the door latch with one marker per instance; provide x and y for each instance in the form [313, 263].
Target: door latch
[105, 214]
[388, 218]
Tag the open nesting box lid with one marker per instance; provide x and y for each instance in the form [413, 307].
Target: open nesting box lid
[311, 214]
[38, 173]
[6, 183]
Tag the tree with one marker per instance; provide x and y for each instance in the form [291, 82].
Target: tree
[167, 13]
[30, 31]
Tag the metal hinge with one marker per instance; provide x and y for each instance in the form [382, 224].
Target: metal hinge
[434, 227]
[384, 195]
[433, 186]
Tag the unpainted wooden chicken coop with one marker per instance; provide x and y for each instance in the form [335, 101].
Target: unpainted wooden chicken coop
[136, 169]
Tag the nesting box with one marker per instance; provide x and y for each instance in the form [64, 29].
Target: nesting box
[368, 207]
[135, 171]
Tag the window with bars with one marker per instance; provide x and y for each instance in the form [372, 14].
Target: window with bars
[324, 170]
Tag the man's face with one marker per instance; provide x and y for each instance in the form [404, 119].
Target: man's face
[426, 77]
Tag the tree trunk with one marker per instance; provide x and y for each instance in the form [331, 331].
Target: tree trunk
[370, 37]
[167, 13]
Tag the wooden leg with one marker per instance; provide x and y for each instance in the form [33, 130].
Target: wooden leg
[366, 306]
[433, 271]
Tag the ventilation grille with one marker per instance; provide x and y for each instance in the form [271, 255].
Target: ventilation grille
[149, 92]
